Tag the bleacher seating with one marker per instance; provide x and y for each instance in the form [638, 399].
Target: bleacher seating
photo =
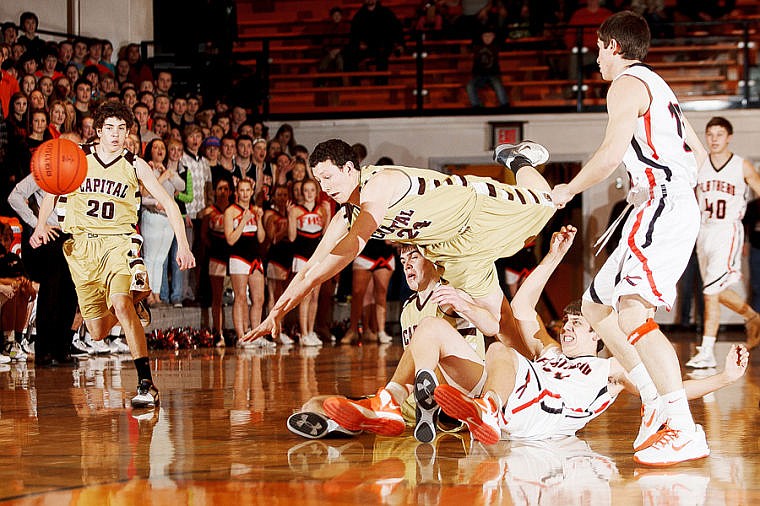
[534, 70]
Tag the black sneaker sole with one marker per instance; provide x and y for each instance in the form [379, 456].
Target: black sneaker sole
[426, 412]
[308, 424]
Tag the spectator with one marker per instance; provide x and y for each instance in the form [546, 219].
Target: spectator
[10, 33]
[193, 105]
[65, 52]
[122, 72]
[28, 84]
[474, 17]
[286, 138]
[45, 85]
[162, 105]
[375, 33]
[237, 118]
[105, 59]
[164, 82]
[107, 84]
[37, 100]
[429, 19]
[147, 98]
[57, 120]
[219, 255]
[14, 310]
[37, 130]
[161, 127]
[154, 223]
[485, 70]
[81, 50]
[142, 117]
[92, 74]
[82, 98]
[334, 38]
[94, 56]
[176, 116]
[225, 169]
[138, 70]
[49, 64]
[202, 197]
[591, 17]
[172, 291]
[244, 231]
[72, 72]
[29, 38]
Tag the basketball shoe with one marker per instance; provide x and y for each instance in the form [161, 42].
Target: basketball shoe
[532, 152]
[147, 395]
[483, 415]
[380, 414]
[752, 327]
[426, 412]
[652, 420]
[97, 347]
[705, 358]
[672, 446]
[312, 425]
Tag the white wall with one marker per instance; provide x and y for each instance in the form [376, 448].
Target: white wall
[120, 22]
[428, 142]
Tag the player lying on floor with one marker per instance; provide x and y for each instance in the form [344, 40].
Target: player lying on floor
[566, 385]
[439, 343]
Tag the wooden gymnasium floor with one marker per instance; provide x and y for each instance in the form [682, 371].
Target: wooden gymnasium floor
[220, 438]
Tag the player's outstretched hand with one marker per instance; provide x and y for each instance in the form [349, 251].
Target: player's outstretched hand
[185, 259]
[561, 195]
[562, 240]
[736, 362]
[271, 326]
[44, 235]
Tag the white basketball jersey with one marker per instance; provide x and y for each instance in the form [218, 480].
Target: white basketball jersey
[721, 191]
[581, 383]
[658, 153]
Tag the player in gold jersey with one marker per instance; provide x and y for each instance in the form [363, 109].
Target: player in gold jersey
[101, 217]
[443, 339]
[462, 224]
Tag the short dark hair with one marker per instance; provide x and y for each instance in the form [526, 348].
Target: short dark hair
[243, 138]
[721, 122]
[574, 309]
[29, 15]
[82, 80]
[140, 105]
[112, 110]
[630, 30]
[336, 150]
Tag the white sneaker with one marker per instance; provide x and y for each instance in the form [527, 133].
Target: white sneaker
[703, 359]
[285, 339]
[534, 152]
[117, 345]
[5, 359]
[384, 338]
[97, 347]
[311, 339]
[27, 347]
[652, 419]
[79, 348]
[260, 342]
[673, 446]
[14, 351]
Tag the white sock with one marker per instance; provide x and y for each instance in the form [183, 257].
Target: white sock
[707, 343]
[398, 392]
[639, 376]
[677, 410]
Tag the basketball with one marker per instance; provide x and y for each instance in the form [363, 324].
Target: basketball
[59, 166]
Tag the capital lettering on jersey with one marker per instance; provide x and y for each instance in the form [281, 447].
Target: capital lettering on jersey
[401, 227]
[104, 187]
[406, 335]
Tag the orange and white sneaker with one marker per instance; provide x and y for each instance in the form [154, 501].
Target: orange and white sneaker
[483, 415]
[673, 446]
[380, 414]
[652, 420]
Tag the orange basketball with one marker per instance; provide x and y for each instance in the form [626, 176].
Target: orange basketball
[59, 166]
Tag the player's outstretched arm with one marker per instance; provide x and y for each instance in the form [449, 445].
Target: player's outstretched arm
[627, 97]
[525, 300]
[185, 258]
[734, 368]
[42, 232]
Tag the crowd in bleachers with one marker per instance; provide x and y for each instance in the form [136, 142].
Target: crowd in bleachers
[222, 166]
[201, 148]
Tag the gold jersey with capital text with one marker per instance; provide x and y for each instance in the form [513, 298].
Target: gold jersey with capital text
[462, 223]
[107, 201]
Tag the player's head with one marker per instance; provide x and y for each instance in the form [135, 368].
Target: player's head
[624, 35]
[112, 121]
[577, 337]
[419, 272]
[718, 132]
[335, 168]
